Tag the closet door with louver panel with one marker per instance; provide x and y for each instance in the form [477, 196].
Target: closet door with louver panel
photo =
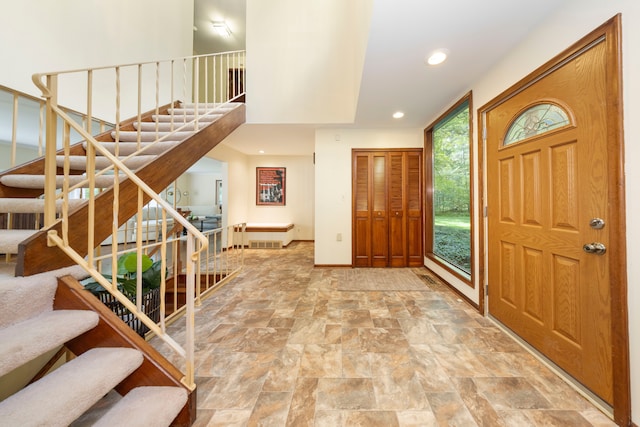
[380, 218]
[361, 212]
[397, 210]
[387, 208]
[413, 189]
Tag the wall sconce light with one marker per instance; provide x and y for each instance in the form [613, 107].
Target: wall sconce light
[173, 194]
[221, 28]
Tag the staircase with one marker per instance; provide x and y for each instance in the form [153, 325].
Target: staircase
[157, 163]
[30, 327]
[46, 307]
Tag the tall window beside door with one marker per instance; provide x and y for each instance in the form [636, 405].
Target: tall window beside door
[448, 190]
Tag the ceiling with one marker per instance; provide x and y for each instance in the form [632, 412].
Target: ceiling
[403, 33]
[395, 77]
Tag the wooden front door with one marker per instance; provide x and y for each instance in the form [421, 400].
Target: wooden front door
[547, 189]
[387, 208]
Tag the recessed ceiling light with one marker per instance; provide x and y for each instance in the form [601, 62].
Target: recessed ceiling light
[398, 115]
[437, 57]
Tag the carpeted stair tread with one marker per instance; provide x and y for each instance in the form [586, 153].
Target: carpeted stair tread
[132, 136]
[37, 181]
[30, 296]
[146, 406]
[97, 411]
[66, 393]
[19, 205]
[128, 148]
[80, 162]
[211, 105]
[182, 118]
[164, 126]
[10, 239]
[201, 111]
[30, 338]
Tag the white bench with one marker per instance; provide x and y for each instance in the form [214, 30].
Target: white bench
[268, 235]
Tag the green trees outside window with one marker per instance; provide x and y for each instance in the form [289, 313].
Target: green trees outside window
[451, 192]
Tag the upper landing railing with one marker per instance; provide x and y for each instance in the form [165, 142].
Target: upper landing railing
[115, 94]
[22, 126]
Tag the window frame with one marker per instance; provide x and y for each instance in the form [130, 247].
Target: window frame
[468, 279]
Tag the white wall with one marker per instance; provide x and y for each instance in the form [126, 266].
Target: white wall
[312, 54]
[299, 207]
[181, 184]
[234, 200]
[202, 188]
[42, 36]
[333, 189]
[572, 20]
[240, 198]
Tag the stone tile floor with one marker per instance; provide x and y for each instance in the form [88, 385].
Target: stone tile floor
[282, 345]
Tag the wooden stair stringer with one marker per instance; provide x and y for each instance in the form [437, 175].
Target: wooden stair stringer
[35, 256]
[111, 331]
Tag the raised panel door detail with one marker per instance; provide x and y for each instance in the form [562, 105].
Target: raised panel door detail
[414, 236]
[507, 288]
[531, 197]
[507, 187]
[564, 186]
[362, 242]
[533, 283]
[566, 298]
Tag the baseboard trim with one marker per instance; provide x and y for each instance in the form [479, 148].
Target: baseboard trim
[332, 265]
[289, 244]
[456, 291]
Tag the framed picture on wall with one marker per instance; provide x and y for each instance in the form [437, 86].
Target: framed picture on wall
[271, 186]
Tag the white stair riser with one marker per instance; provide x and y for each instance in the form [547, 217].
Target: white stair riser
[80, 162]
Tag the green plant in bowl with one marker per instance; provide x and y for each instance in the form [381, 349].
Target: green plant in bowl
[127, 275]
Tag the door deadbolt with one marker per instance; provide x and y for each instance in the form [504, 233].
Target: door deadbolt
[595, 248]
[597, 223]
